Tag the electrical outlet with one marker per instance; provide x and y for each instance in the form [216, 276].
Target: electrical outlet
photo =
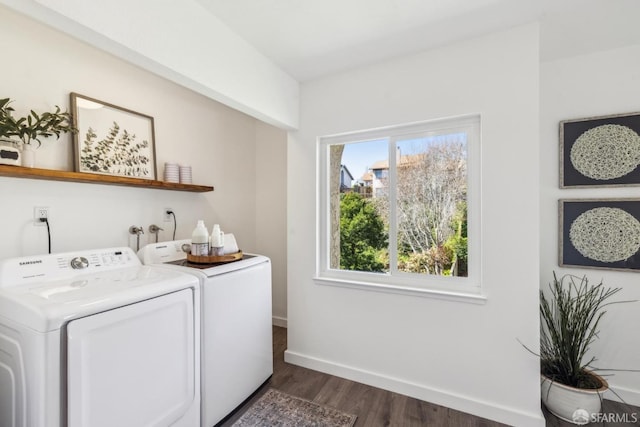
[40, 212]
[166, 215]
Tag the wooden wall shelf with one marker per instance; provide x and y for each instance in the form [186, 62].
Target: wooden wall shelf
[56, 175]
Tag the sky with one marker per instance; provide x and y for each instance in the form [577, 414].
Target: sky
[359, 156]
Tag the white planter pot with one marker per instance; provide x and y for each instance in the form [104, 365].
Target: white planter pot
[574, 405]
[28, 156]
[9, 153]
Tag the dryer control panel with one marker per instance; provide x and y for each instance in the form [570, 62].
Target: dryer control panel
[16, 271]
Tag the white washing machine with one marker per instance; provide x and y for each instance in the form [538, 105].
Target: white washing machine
[237, 351]
[96, 339]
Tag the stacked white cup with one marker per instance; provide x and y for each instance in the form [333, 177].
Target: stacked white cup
[185, 174]
[171, 172]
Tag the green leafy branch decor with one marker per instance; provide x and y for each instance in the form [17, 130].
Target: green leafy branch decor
[5, 124]
[31, 128]
[117, 154]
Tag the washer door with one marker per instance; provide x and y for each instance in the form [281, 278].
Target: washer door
[134, 365]
[12, 380]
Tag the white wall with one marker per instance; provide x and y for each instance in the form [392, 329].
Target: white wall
[271, 210]
[220, 143]
[186, 44]
[597, 84]
[452, 353]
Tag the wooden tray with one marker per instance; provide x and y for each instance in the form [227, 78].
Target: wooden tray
[213, 259]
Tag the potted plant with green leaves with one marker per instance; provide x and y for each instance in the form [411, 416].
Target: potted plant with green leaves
[9, 148]
[570, 316]
[6, 127]
[32, 127]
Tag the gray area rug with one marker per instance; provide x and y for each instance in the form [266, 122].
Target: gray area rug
[276, 408]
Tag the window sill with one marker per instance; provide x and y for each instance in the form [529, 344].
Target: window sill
[470, 298]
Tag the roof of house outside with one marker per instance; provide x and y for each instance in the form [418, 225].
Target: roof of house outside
[368, 176]
[406, 159]
[344, 167]
[380, 164]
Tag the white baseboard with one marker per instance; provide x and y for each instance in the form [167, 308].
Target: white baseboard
[625, 395]
[279, 321]
[455, 401]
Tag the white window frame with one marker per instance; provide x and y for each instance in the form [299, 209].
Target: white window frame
[467, 289]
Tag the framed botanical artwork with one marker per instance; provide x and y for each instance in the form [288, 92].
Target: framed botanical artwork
[112, 140]
[600, 233]
[600, 151]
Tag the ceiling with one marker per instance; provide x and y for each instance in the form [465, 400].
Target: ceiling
[310, 39]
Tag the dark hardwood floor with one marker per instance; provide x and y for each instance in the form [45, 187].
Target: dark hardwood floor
[373, 406]
[614, 414]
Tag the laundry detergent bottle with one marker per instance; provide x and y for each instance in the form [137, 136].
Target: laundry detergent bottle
[217, 241]
[200, 240]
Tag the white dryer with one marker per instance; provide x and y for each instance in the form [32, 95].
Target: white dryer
[96, 339]
[237, 351]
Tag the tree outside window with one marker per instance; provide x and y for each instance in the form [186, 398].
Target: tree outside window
[406, 211]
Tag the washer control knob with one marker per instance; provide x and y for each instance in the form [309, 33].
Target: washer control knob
[79, 262]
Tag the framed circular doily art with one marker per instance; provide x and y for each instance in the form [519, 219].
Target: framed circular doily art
[600, 233]
[600, 151]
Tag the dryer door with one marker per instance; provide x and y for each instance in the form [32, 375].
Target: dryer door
[133, 366]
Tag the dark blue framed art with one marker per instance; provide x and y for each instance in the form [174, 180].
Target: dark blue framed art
[600, 151]
[600, 233]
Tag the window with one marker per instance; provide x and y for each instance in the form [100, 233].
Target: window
[411, 218]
